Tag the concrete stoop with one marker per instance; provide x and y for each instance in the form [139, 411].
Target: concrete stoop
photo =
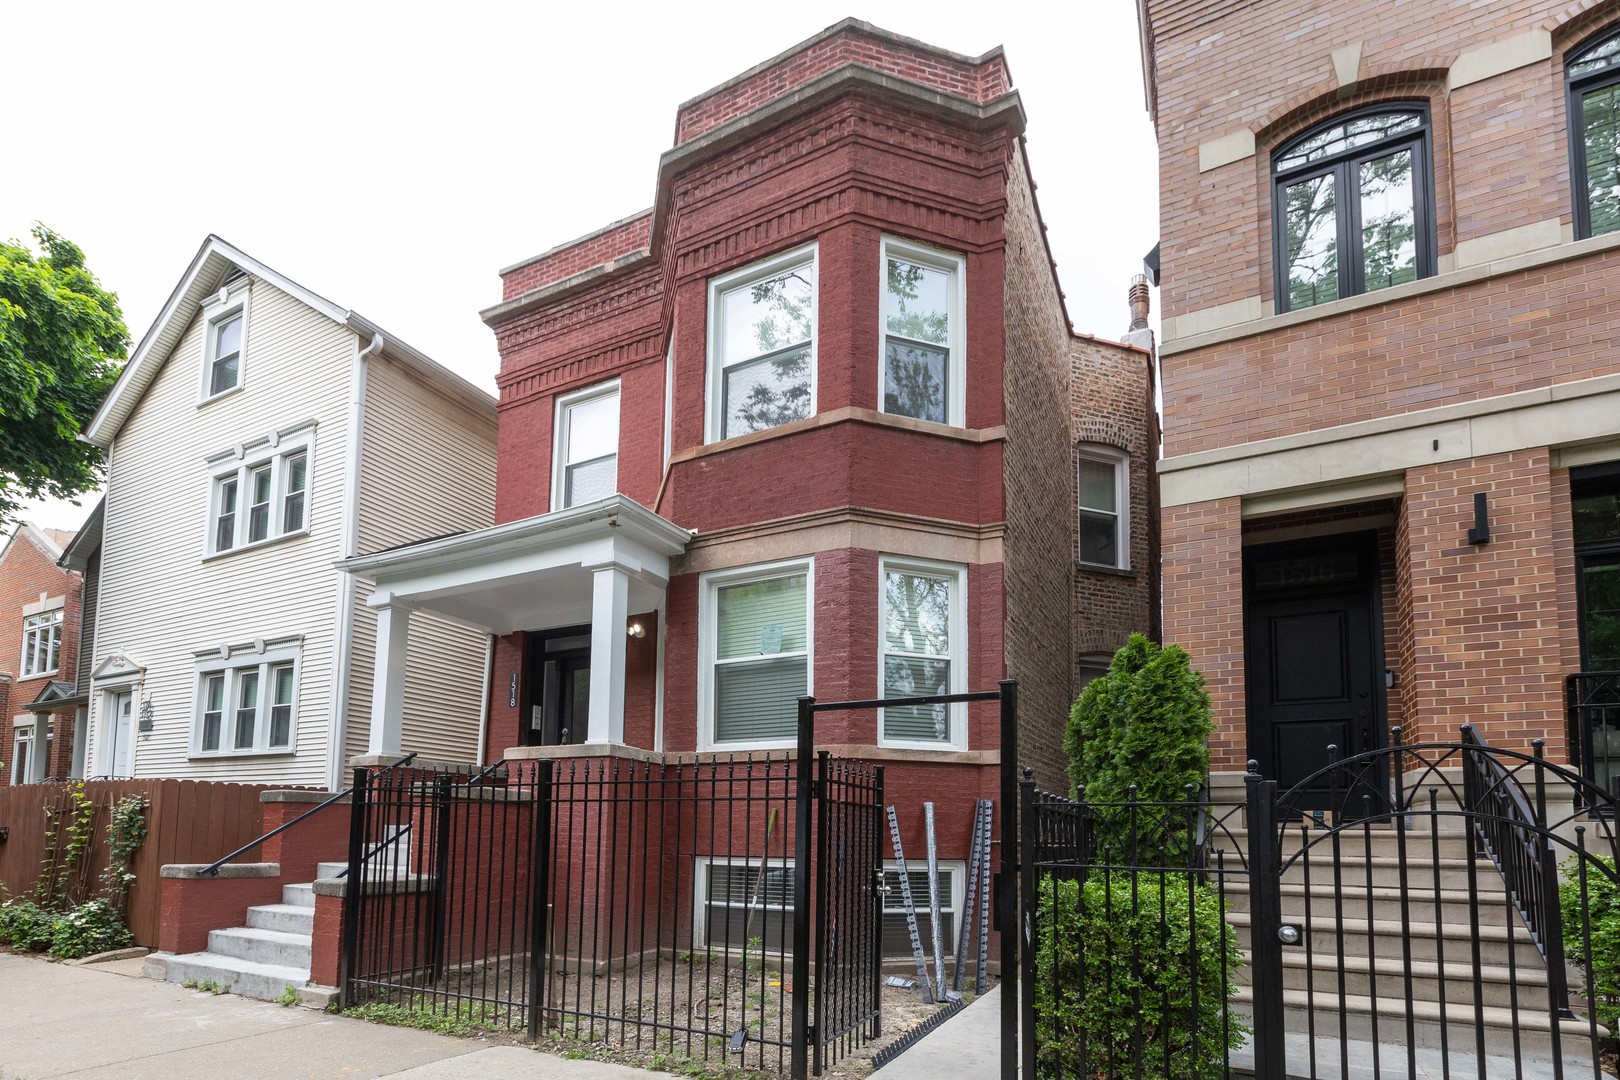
[264, 958]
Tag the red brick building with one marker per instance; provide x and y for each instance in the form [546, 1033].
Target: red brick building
[816, 422]
[40, 609]
[1391, 482]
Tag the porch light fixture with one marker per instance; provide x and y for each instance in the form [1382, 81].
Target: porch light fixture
[636, 630]
[1481, 532]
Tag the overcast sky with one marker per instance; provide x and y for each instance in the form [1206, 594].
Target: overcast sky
[393, 157]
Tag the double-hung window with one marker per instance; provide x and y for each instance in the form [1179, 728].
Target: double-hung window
[756, 653]
[42, 643]
[745, 903]
[1352, 205]
[587, 452]
[1592, 73]
[261, 495]
[922, 614]
[922, 371]
[762, 345]
[246, 701]
[224, 337]
[1102, 487]
[896, 933]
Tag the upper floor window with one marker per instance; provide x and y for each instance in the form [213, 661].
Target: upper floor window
[1103, 495]
[755, 654]
[1593, 73]
[42, 643]
[922, 370]
[762, 345]
[586, 456]
[224, 333]
[261, 496]
[1352, 206]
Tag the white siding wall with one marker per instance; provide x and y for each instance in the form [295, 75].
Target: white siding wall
[427, 467]
[161, 601]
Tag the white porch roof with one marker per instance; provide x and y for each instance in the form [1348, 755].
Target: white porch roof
[529, 574]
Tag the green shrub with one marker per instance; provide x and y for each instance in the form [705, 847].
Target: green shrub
[25, 926]
[1602, 906]
[1146, 723]
[1113, 978]
[95, 926]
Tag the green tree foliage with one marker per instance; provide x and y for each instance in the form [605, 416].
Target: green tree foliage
[62, 342]
[1600, 904]
[1130, 979]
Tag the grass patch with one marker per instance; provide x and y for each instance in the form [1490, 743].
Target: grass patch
[461, 1019]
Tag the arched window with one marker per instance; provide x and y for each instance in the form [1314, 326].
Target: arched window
[1352, 206]
[1593, 75]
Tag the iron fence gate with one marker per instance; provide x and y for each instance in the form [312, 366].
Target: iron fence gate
[1461, 921]
[719, 910]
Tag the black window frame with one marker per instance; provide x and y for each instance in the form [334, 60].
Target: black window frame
[1348, 213]
[1591, 480]
[1575, 87]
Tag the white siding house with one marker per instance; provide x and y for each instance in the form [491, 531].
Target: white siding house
[258, 435]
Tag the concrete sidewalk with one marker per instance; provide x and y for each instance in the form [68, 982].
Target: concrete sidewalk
[965, 1047]
[99, 1023]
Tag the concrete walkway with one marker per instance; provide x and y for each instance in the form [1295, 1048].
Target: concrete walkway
[101, 1023]
[965, 1047]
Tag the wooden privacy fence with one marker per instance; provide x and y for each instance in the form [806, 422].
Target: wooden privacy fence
[188, 821]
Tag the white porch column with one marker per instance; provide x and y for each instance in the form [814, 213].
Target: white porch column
[39, 751]
[610, 610]
[388, 679]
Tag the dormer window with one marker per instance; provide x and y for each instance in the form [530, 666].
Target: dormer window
[224, 339]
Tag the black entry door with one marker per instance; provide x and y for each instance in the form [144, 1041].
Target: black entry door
[557, 695]
[1314, 667]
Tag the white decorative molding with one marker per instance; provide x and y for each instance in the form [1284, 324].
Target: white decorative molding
[1233, 146]
[1509, 242]
[1206, 320]
[1347, 63]
[1477, 64]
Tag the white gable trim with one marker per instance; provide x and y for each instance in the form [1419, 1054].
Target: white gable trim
[118, 666]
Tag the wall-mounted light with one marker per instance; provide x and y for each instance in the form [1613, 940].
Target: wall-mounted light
[1481, 532]
[636, 630]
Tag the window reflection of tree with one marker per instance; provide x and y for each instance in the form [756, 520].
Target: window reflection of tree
[788, 300]
[917, 622]
[914, 374]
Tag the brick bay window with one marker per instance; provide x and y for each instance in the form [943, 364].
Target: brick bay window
[259, 493]
[224, 334]
[42, 643]
[1102, 492]
[754, 654]
[762, 345]
[246, 699]
[1592, 73]
[585, 460]
[922, 370]
[1353, 206]
[923, 615]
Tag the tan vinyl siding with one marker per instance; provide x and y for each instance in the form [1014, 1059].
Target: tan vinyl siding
[160, 600]
[427, 467]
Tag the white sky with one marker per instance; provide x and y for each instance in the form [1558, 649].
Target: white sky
[393, 157]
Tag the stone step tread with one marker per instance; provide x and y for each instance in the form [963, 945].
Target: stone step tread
[1392, 927]
[282, 909]
[1458, 968]
[1493, 1016]
[1353, 893]
[219, 962]
[257, 933]
[330, 869]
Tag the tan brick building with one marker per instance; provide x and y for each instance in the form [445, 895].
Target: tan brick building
[1391, 483]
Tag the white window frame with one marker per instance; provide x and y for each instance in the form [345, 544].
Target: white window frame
[239, 464]
[709, 586]
[956, 871]
[231, 300]
[703, 867]
[560, 428]
[956, 721]
[714, 382]
[32, 625]
[1120, 462]
[956, 362]
[26, 764]
[232, 662]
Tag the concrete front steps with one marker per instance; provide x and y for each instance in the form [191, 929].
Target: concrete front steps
[263, 959]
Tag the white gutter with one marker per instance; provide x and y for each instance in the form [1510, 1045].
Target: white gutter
[343, 644]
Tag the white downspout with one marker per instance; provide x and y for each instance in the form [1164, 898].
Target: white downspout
[489, 692]
[343, 645]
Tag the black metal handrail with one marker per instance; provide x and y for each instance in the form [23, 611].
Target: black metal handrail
[1592, 702]
[1513, 831]
[212, 870]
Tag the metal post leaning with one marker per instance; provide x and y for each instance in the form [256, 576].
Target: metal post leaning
[804, 791]
[349, 957]
[540, 901]
[1007, 895]
[1265, 884]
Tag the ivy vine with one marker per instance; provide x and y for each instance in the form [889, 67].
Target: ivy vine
[126, 832]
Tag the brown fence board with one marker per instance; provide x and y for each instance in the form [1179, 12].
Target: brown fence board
[187, 822]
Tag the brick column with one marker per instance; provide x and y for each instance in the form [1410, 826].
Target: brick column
[1203, 613]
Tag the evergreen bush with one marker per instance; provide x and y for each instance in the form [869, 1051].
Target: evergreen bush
[1602, 907]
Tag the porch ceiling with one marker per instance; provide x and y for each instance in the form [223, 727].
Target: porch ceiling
[529, 574]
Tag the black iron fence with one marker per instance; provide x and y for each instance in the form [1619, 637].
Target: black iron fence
[1592, 699]
[1461, 920]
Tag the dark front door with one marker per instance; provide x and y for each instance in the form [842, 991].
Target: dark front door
[1314, 666]
[558, 688]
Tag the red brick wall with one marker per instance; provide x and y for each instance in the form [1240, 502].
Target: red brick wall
[1203, 613]
[26, 570]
